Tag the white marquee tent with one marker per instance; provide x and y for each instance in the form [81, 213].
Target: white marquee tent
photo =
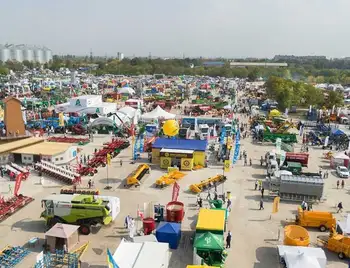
[157, 113]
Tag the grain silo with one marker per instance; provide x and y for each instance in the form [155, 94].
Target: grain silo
[38, 55]
[28, 54]
[4, 54]
[16, 53]
[47, 55]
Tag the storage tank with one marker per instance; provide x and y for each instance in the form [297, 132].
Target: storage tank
[149, 224]
[16, 54]
[5, 54]
[175, 211]
[28, 54]
[38, 55]
[47, 55]
[295, 235]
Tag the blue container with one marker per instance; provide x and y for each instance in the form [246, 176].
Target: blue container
[169, 232]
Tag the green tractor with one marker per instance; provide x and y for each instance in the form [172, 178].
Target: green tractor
[82, 210]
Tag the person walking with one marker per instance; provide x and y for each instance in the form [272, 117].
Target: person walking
[245, 161]
[208, 196]
[200, 202]
[229, 203]
[262, 192]
[89, 184]
[256, 185]
[337, 184]
[250, 162]
[261, 161]
[340, 207]
[121, 162]
[342, 184]
[261, 204]
[228, 239]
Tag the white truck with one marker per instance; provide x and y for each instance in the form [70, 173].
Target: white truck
[203, 130]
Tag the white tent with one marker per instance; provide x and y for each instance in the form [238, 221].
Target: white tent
[111, 120]
[129, 111]
[298, 254]
[156, 114]
[300, 260]
[344, 226]
[126, 90]
[136, 255]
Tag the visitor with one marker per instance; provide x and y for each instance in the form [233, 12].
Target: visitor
[337, 184]
[90, 183]
[340, 207]
[215, 195]
[121, 162]
[342, 184]
[200, 202]
[256, 185]
[261, 204]
[126, 222]
[262, 192]
[228, 239]
[229, 203]
[250, 162]
[245, 161]
[261, 161]
[208, 196]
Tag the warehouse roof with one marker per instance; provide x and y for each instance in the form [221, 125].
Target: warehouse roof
[14, 145]
[195, 145]
[44, 148]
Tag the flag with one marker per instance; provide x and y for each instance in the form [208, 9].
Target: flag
[275, 205]
[108, 159]
[61, 119]
[227, 165]
[110, 260]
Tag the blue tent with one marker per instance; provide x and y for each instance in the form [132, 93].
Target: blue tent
[337, 132]
[169, 232]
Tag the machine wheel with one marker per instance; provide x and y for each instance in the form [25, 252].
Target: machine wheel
[92, 174]
[52, 222]
[323, 228]
[341, 255]
[85, 229]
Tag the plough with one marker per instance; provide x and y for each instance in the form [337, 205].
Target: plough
[57, 172]
[69, 140]
[20, 169]
[86, 170]
[11, 205]
[199, 187]
[169, 178]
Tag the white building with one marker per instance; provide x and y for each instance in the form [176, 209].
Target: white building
[88, 104]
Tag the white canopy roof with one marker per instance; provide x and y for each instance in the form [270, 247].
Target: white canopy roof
[158, 113]
[126, 90]
[136, 255]
[300, 260]
[109, 121]
[128, 110]
[295, 253]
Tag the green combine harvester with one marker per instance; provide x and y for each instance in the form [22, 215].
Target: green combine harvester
[82, 210]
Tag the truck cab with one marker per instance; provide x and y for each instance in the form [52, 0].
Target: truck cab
[272, 167]
[203, 130]
[185, 133]
[270, 156]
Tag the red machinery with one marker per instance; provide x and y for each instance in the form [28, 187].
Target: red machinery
[302, 158]
[80, 191]
[68, 139]
[22, 170]
[10, 206]
[57, 172]
[86, 170]
[78, 130]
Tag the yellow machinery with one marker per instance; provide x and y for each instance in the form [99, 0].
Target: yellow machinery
[284, 127]
[318, 219]
[199, 187]
[337, 243]
[169, 178]
[136, 176]
[295, 235]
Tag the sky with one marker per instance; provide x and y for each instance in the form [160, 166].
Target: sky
[193, 28]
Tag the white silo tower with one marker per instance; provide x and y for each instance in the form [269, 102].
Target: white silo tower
[38, 55]
[16, 53]
[47, 55]
[28, 54]
[4, 54]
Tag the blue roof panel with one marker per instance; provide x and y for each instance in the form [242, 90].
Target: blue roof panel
[195, 145]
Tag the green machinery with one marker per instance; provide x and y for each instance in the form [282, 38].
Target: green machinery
[286, 138]
[83, 210]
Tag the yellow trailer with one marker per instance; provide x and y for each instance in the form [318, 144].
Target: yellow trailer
[199, 187]
[136, 176]
[337, 243]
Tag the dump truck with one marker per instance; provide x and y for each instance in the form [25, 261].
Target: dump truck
[137, 175]
[322, 220]
[82, 210]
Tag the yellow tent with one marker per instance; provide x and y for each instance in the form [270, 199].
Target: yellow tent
[211, 220]
[274, 113]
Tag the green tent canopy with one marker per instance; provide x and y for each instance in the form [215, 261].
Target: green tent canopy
[209, 241]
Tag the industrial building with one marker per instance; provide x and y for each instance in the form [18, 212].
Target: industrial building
[258, 64]
[21, 53]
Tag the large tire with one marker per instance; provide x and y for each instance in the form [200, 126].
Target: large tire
[85, 229]
[341, 255]
[323, 228]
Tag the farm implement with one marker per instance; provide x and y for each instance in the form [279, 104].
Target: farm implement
[169, 179]
[199, 187]
[80, 141]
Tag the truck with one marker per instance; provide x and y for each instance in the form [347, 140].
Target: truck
[302, 158]
[79, 209]
[203, 130]
[185, 133]
[322, 220]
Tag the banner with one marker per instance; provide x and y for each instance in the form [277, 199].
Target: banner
[135, 147]
[141, 143]
[227, 165]
[282, 157]
[176, 190]
[108, 159]
[278, 145]
[223, 135]
[276, 203]
[326, 140]
[61, 119]
[237, 147]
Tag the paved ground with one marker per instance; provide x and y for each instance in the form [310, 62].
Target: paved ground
[255, 233]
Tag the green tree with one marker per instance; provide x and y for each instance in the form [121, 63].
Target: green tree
[335, 98]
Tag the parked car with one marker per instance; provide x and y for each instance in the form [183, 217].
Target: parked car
[342, 172]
